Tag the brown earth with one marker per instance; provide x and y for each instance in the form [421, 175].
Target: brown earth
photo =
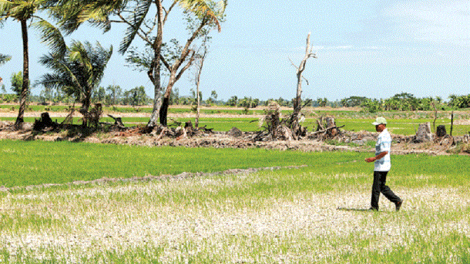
[404, 144]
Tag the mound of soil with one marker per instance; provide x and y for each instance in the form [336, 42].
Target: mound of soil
[402, 145]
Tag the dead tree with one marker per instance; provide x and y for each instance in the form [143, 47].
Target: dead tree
[117, 121]
[327, 128]
[435, 115]
[272, 118]
[451, 123]
[297, 102]
[199, 64]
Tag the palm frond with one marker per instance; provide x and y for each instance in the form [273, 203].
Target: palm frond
[205, 8]
[136, 19]
[77, 72]
[22, 10]
[4, 15]
[4, 58]
[51, 36]
[5, 7]
[75, 13]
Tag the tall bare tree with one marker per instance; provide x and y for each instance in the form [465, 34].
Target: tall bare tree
[298, 99]
[199, 64]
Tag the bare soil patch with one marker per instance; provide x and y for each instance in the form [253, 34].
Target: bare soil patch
[223, 140]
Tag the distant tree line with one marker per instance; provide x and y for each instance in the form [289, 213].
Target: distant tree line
[111, 95]
[408, 102]
[115, 95]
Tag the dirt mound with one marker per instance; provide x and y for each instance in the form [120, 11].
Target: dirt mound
[349, 141]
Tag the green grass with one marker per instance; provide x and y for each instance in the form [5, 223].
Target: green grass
[36, 162]
[402, 126]
[287, 215]
[400, 122]
[398, 127]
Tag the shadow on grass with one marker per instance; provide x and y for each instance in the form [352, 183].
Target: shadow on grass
[73, 133]
[354, 209]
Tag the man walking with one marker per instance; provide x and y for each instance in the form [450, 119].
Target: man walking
[382, 166]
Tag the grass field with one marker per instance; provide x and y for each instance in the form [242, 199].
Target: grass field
[26, 163]
[398, 127]
[271, 216]
[400, 122]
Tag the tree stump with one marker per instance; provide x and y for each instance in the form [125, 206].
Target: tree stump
[44, 122]
[424, 133]
[235, 132]
[188, 127]
[320, 124]
[330, 123]
[326, 128]
[188, 124]
[272, 118]
[117, 121]
[441, 131]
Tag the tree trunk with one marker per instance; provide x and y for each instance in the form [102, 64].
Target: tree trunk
[298, 99]
[198, 81]
[85, 108]
[451, 123]
[330, 123]
[157, 101]
[198, 107]
[24, 89]
[166, 100]
[424, 133]
[155, 69]
[441, 131]
[164, 111]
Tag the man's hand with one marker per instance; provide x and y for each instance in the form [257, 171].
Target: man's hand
[381, 155]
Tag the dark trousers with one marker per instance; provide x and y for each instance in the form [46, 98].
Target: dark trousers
[380, 177]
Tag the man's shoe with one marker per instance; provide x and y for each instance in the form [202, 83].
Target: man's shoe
[398, 205]
[373, 209]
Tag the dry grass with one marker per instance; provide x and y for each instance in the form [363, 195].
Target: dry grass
[186, 220]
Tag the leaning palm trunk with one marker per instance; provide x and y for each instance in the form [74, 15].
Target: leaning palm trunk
[24, 89]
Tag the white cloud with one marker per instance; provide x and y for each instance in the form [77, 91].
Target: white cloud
[438, 21]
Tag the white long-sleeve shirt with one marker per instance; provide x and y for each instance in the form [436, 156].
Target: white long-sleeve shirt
[384, 143]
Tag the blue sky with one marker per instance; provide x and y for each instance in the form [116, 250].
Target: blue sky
[365, 48]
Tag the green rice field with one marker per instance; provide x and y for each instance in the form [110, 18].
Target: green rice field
[276, 215]
[398, 127]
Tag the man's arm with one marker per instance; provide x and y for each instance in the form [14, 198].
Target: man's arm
[381, 155]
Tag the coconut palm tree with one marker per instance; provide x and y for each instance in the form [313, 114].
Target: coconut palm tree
[77, 71]
[148, 26]
[23, 11]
